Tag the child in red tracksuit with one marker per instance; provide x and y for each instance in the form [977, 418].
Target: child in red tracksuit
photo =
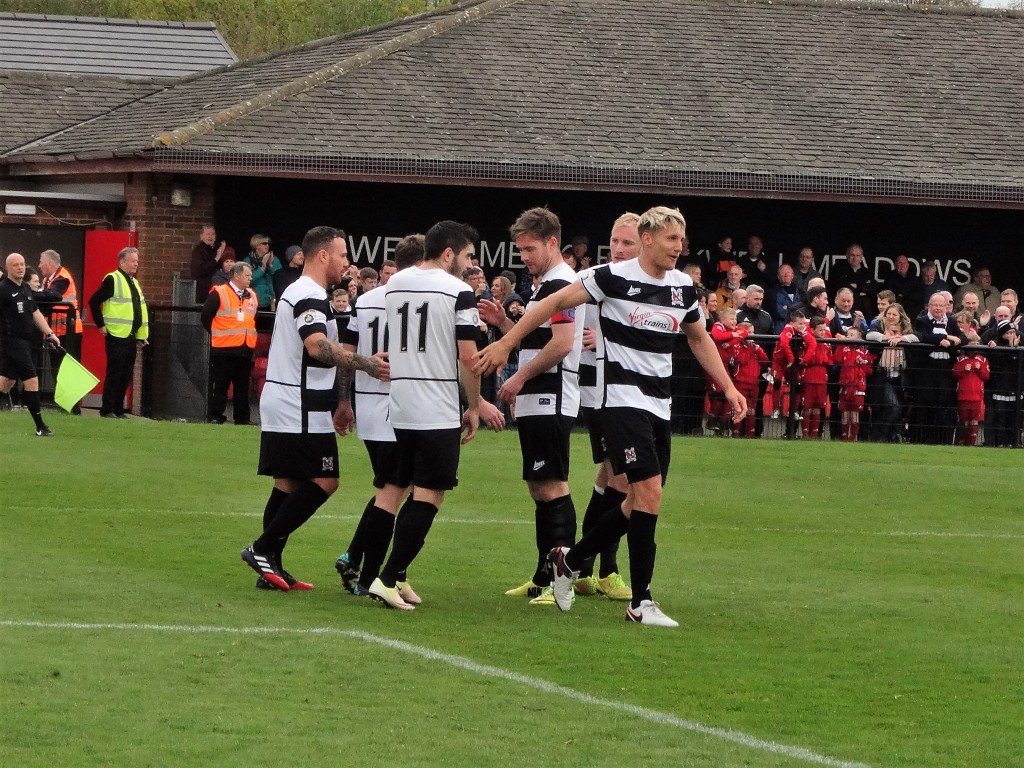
[855, 363]
[971, 371]
[794, 340]
[727, 338]
[813, 374]
[745, 367]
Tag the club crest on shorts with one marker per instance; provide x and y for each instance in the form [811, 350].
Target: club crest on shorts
[630, 455]
[328, 464]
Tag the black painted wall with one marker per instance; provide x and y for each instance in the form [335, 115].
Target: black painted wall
[376, 216]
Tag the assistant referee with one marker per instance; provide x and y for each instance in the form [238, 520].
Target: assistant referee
[19, 318]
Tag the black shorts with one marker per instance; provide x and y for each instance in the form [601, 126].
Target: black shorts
[17, 360]
[297, 456]
[383, 461]
[598, 449]
[639, 443]
[544, 441]
[428, 458]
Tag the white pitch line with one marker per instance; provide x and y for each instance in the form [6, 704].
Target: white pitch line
[484, 670]
[523, 521]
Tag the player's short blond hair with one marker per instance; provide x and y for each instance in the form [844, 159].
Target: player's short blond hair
[659, 217]
[627, 218]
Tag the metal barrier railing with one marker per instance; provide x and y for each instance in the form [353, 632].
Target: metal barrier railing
[912, 401]
[909, 397]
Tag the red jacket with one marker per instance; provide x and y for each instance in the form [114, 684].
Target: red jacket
[970, 385]
[854, 366]
[814, 364]
[783, 358]
[749, 359]
[727, 340]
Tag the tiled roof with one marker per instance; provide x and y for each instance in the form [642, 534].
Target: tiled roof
[34, 105]
[715, 91]
[113, 47]
[132, 129]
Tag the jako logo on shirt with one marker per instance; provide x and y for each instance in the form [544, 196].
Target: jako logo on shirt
[655, 321]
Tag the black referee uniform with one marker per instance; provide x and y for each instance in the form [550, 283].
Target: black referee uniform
[18, 329]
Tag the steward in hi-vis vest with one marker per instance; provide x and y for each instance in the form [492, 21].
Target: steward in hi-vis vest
[119, 310]
[57, 281]
[229, 314]
[59, 288]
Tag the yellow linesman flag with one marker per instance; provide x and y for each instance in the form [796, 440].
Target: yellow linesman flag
[74, 381]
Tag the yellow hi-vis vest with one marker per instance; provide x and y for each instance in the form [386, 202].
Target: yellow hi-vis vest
[59, 317]
[118, 315]
[226, 330]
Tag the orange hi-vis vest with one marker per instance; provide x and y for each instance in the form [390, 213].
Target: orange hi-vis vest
[59, 317]
[234, 325]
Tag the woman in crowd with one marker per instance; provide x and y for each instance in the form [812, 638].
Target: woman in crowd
[887, 381]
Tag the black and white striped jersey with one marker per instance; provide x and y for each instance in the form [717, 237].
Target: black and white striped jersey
[428, 312]
[640, 319]
[299, 396]
[556, 391]
[368, 332]
[591, 360]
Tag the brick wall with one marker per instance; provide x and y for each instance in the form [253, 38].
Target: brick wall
[166, 234]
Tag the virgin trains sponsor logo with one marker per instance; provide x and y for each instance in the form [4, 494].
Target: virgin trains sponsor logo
[653, 320]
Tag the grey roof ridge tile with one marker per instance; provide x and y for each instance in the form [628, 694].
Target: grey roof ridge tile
[448, 19]
[86, 78]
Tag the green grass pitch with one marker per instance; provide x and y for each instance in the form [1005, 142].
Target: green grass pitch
[840, 605]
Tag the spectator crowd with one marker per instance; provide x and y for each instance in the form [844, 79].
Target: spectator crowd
[850, 357]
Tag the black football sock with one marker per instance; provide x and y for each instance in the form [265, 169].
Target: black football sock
[356, 547]
[403, 575]
[411, 531]
[609, 528]
[296, 510]
[563, 521]
[609, 555]
[277, 497]
[590, 518]
[642, 549]
[542, 529]
[379, 528]
[31, 399]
